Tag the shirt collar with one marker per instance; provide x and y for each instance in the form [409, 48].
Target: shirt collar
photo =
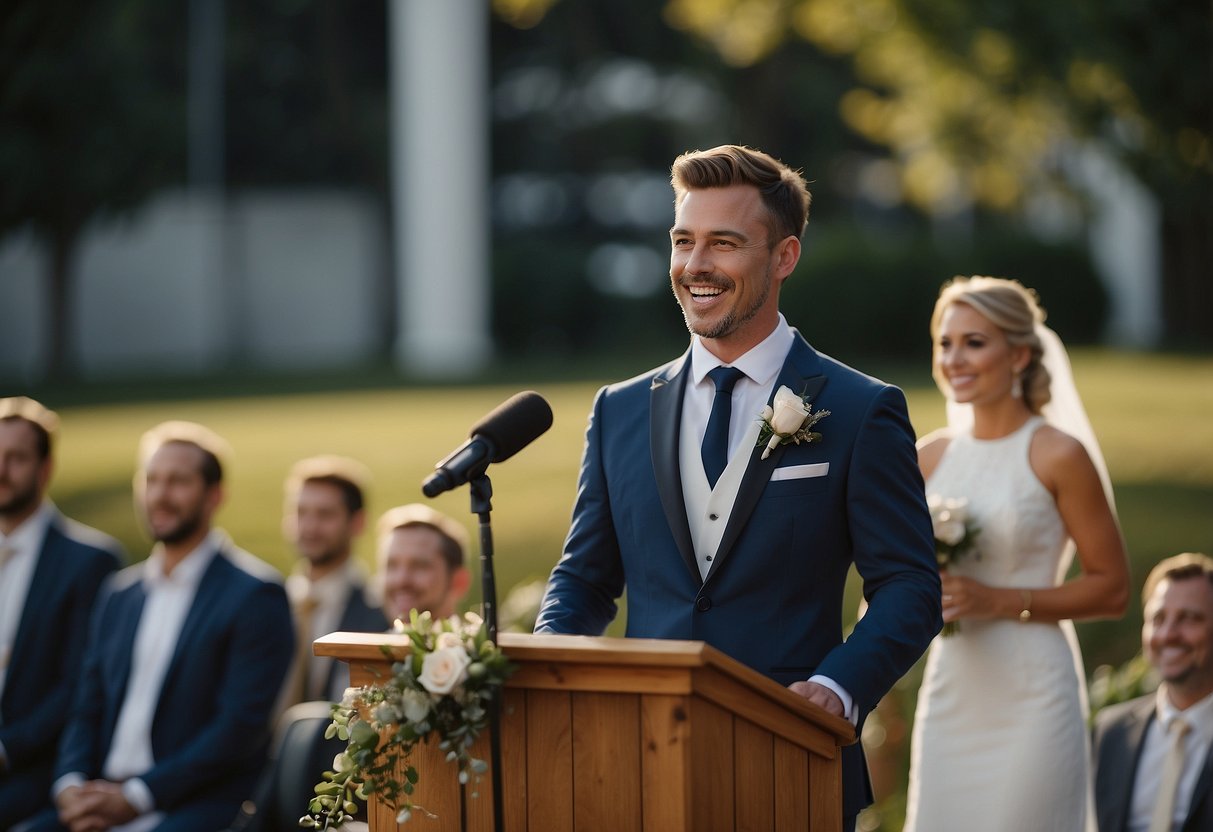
[761, 364]
[188, 573]
[1200, 713]
[29, 535]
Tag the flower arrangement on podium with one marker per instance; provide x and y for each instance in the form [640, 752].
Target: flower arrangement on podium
[955, 536]
[440, 693]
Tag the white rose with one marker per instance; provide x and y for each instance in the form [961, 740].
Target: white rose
[447, 640]
[789, 412]
[950, 532]
[415, 704]
[443, 669]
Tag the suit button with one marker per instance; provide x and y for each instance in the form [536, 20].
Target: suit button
[703, 604]
[713, 516]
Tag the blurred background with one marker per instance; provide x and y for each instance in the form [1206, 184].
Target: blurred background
[355, 227]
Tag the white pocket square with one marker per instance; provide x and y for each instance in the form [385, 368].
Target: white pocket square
[800, 472]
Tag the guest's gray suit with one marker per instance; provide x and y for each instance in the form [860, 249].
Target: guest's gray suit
[1120, 732]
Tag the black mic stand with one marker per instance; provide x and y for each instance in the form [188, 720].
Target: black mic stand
[482, 493]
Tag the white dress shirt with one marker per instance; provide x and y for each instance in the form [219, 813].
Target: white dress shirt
[1154, 752]
[19, 553]
[761, 366]
[165, 607]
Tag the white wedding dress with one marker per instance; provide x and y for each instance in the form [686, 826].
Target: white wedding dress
[1000, 741]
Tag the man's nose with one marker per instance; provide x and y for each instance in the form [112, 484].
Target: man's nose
[700, 260]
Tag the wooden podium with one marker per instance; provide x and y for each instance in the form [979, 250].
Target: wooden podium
[630, 734]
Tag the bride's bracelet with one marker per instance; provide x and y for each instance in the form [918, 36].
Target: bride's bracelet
[1025, 614]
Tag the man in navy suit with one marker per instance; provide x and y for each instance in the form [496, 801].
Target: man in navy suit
[716, 543]
[1154, 754]
[50, 571]
[329, 589]
[187, 654]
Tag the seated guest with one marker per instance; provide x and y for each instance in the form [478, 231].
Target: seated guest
[1153, 771]
[50, 571]
[324, 513]
[187, 653]
[421, 562]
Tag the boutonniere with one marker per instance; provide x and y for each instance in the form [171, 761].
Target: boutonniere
[790, 420]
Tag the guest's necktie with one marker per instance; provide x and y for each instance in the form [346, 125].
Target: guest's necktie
[715, 448]
[1172, 768]
[304, 610]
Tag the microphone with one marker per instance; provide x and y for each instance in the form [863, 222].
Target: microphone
[514, 424]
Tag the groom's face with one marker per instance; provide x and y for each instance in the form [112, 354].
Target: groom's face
[724, 269]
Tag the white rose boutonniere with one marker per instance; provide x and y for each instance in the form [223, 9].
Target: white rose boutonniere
[789, 419]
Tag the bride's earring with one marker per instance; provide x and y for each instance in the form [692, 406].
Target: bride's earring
[1016, 387]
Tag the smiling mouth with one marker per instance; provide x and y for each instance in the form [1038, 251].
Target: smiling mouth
[704, 294]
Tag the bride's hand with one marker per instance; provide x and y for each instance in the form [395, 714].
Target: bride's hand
[965, 598]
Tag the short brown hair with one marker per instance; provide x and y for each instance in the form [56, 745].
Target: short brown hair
[44, 422]
[213, 447]
[1179, 567]
[783, 190]
[454, 536]
[348, 476]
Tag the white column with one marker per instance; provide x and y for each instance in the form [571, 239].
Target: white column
[440, 190]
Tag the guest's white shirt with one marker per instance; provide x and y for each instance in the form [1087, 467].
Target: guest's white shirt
[167, 603]
[1154, 752]
[331, 594]
[761, 366]
[19, 553]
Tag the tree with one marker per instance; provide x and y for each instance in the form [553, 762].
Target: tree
[978, 102]
[92, 123]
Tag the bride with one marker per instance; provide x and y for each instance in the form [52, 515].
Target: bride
[1000, 739]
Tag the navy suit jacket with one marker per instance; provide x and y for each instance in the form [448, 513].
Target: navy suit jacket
[46, 655]
[1120, 732]
[211, 726]
[773, 597]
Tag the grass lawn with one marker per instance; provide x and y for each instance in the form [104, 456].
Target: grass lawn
[1151, 412]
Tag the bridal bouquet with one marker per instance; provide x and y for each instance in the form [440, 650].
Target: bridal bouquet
[439, 693]
[955, 536]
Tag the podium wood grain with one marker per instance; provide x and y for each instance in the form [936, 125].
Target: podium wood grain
[628, 734]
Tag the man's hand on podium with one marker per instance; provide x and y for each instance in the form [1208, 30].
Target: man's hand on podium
[820, 696]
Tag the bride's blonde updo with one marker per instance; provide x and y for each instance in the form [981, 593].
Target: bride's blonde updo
[1011, 307]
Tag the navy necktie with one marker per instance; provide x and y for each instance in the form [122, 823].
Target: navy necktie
[715, 448]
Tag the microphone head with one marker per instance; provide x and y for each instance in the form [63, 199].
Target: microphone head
[514, 424]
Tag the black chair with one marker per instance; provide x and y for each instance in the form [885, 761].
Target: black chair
[298, 761]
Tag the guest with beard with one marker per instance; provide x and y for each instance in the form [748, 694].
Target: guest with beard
[50, 571]
[187, 653]
[324, 514]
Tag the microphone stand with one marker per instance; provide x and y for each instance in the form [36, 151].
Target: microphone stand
[482, 493]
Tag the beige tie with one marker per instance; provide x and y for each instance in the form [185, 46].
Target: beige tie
[1173, 767]
[304, 610]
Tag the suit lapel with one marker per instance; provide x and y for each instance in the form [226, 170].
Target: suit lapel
[801, 373]
[665, 417]
[38, 600]
[1135, 735]
[1202, 791]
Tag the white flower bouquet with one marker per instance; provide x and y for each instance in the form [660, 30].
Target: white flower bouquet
[440, 692]
[955, 536]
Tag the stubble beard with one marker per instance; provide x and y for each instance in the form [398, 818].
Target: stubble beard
[21, 502]
[732, 320]
[186, 528]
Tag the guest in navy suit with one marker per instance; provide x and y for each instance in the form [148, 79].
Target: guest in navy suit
[1154, 754]
[329, 590]
[50, 571]
[716, 543]
[187, 653]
